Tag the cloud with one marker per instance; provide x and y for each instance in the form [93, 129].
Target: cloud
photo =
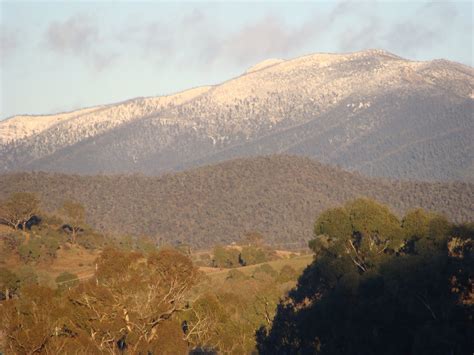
[79, 35]
[265, 38]
[198, 38]
[408, 37]
[359, 38]
[412, 33]
[423, 30]
[76, 35]
[269, 36]
[9, 41]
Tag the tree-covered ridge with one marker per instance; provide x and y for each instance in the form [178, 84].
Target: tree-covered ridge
[278, 196]
[379, 285]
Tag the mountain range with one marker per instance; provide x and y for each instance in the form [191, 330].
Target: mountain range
[371, 112]
[279, 196]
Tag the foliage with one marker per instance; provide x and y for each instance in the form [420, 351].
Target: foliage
[8, 283]
[251, 255]
[38, 247]
[279, 196]
[30, 251]
[265, 269]
[18, 209]
[130, 304]
[385, 287]
[287, 273]
[74, 215]
[27, 276]
[334, 222]
[225, 257]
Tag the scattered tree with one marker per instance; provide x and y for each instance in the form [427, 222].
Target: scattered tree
[18, 209]
[74, 215]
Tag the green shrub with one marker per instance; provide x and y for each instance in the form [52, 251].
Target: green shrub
[252, 255]
[287, 273]
[31, 251]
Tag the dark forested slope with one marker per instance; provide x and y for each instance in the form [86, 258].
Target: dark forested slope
[280, 196]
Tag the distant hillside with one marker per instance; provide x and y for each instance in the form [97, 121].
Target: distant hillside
[280, 196]
[370, 111]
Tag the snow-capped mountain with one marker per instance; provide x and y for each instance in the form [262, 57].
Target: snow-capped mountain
[369, 111]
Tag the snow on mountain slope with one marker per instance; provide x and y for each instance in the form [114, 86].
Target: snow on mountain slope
[264, 64]
[69, 129]
[370, 111]
[18, 127]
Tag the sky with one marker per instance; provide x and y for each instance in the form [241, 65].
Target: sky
[64, 55]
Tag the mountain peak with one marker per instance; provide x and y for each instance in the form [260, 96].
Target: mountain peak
[369, 111]
[377, 52]
[265, 64]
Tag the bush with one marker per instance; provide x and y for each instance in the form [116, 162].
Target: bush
[8, 283]
[252, 255]
[31, 251]
[287, 273]
[27, 276]
[225, 257]
[265, 269]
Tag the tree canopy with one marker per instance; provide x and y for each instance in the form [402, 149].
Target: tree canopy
[379, 287]
[18, 209]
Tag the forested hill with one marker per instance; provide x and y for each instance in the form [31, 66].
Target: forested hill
[279, 196]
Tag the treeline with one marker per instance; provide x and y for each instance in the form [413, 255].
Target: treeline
[35, 237]
[48, 232]
[278, 196]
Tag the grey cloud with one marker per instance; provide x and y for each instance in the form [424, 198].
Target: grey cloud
[9, 41]
[420, 30]
[266, 38]
[408, 37]
[195, 18]
[75, 35]
[154, 40]
[272, 37]
[263, 39]
[354, 25]
[80, 36]
[414, 34]
[365, 37]
[445, 11]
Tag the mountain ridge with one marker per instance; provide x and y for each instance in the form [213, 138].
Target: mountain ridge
[341, 97]
[279, 196]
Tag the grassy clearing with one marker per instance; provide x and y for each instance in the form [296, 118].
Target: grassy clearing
[298, 263]
[74, 260]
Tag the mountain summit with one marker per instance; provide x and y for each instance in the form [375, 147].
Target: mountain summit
[368, 111]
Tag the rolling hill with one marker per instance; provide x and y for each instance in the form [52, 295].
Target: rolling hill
[279, 196]
[370, 111]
